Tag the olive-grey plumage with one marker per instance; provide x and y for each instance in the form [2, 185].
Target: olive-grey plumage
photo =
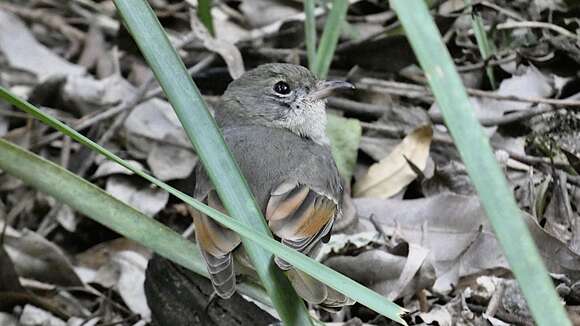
[273, 121]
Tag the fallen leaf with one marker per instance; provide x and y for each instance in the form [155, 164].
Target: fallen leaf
[33, 316]
[344, 137]
[131, 281]
[530, 82]
[459, 236]
[438, 315]
[147, 199]
[86, 94]
[228, 51]
[9, 281]
[393, 173]
[8, 320]
[24, 52]
[39, 259]
[156, 120]
[107, 168]
[264, 12]
[169, 162]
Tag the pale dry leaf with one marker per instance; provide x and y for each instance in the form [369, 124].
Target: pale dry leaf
[107, 168]
[86, 94]
[528, 82]
[438, 315]
[155, 120]
[131, 281]
[39, 259]
[33, 316]
[260, 13]
[145, 198]
[23, 51]
[169, 162]
[228, 51]
[415, 260]
[8, 320]
[393, 173]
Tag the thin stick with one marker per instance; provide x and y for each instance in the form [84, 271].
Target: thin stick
[412, 90]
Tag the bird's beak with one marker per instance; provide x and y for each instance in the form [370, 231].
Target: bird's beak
[325, 88]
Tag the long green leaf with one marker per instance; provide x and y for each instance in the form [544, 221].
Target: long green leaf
[313, 268]
[221, 168]
[486, 48]
[329, 38]
[100, 206]
[310, 32]
[204, 14]
[474, 147]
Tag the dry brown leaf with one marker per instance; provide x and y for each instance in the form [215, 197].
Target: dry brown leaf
[391, 174]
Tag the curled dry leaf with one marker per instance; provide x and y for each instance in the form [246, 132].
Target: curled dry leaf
[118, 264]
[393, 173]
[39, 259]
[226, 50]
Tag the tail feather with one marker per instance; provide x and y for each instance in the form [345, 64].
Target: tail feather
[315, 292]
[222, 274]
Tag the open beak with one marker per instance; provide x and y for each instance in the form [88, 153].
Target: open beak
[325, 88]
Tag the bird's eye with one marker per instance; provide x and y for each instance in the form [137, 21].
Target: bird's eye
[282, 88]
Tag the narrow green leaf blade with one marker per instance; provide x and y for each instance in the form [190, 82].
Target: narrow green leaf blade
[486, 48]
[474, 147]
[204, 14]
[329, 38]
[310, 32]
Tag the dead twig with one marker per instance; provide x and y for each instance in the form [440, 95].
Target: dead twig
[418, 91]
[44, 17]
[533, 24]
[386, 130]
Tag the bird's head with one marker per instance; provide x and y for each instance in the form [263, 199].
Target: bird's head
[282, 96]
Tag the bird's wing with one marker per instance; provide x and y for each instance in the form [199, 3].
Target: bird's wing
[217, 243]
[300, 216]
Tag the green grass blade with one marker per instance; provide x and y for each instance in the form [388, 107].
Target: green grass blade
[310, 32]
[204, 14]
[100, 206]
[486, 48]
[315, 269]
[212, 150]
[489, 180]
[329, 38]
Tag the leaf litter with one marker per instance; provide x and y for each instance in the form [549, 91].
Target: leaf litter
[413, 228]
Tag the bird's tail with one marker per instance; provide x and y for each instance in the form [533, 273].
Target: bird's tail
[316, 292]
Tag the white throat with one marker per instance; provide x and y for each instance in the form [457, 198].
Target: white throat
[307, 118]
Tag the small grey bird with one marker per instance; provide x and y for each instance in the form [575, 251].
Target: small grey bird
[273, 120]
